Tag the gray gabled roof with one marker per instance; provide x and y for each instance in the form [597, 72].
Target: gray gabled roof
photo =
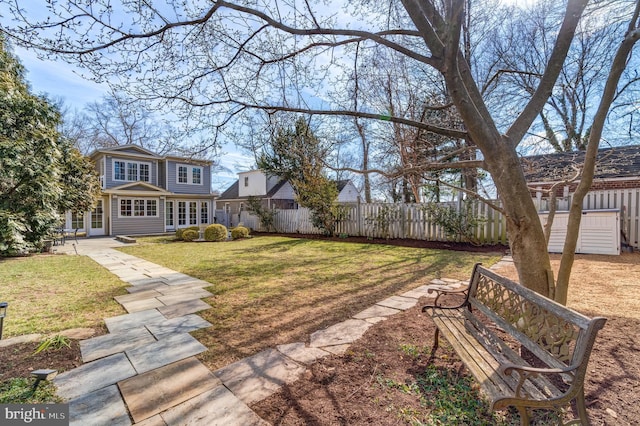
[139, 152]
[612, 162]
[232, 193]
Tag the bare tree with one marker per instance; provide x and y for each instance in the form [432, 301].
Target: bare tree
[565, 121]
[120, 120]
[221, 58]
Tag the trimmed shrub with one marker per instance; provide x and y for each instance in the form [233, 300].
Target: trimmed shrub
[190, 235]
[215, 232]
[180, 232]
[239, 232]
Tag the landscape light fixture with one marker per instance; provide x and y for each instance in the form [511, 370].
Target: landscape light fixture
[3, 313]
[41, 375]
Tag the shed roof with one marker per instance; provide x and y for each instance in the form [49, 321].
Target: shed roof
[612, 162]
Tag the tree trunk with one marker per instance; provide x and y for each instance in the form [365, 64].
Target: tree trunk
[575, 213]
[526, 237]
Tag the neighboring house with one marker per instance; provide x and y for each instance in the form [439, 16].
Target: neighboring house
[146, 193]
[616, 168]
[274, 192]
[610, 209]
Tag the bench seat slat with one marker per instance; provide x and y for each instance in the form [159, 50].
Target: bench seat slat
[465, 348]
[482, 362]
[538, 387]
[522, 338]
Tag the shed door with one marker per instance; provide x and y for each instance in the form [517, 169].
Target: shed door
[599, 232]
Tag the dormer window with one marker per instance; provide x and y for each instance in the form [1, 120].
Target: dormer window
[130, 171]
[187, 174]
[246, 181]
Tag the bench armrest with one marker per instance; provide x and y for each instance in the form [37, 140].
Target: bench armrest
[441, 291]
[525, 372]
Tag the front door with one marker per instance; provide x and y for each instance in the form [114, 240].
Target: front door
[97, 220]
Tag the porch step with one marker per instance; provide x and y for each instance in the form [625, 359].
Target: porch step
[125, 239]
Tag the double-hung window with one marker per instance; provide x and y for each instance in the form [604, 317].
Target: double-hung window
[191, 175]
[131, 171]
[196, 175]
[119, 168]
[183, 174]
[144, 172]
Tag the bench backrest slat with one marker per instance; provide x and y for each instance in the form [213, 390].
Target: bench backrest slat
[556, 334]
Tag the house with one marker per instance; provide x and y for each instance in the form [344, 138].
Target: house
[610, 209]
[146, 193]
[616, 168]
[274, 192]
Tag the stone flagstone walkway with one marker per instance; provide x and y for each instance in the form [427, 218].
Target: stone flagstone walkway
[144, 371]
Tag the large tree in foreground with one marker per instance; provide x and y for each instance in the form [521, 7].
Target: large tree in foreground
[40, 173]
[222, 58]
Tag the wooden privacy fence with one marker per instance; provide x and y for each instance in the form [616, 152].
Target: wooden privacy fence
[413, 221]
[384, 220]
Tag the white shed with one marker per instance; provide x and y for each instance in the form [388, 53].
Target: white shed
[599, 232]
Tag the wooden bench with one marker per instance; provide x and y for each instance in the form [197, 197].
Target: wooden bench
[498, 321]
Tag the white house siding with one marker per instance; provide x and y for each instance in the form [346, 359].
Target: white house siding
[349, 194]
[256, 184]
[136, 225]
[174, 186]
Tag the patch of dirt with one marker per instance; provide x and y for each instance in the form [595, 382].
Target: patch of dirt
[19, 360]
[346, 390]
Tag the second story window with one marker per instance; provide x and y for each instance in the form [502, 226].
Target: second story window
[182, 174]
[246, 181]
[144, 172]
[191, 175]
[196, 174]
[119, 170]
[131, 171]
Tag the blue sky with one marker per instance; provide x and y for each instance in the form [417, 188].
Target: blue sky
[61, 80]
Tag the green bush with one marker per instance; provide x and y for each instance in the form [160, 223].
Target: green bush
[190, 235]
[215, 232]
[180, 232]
[239, 232]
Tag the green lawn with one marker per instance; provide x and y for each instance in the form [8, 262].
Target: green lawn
[276, 290]
[47, 294]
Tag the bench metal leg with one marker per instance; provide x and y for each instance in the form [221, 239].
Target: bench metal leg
[524, 415]
[436, 338]
[582, 408]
